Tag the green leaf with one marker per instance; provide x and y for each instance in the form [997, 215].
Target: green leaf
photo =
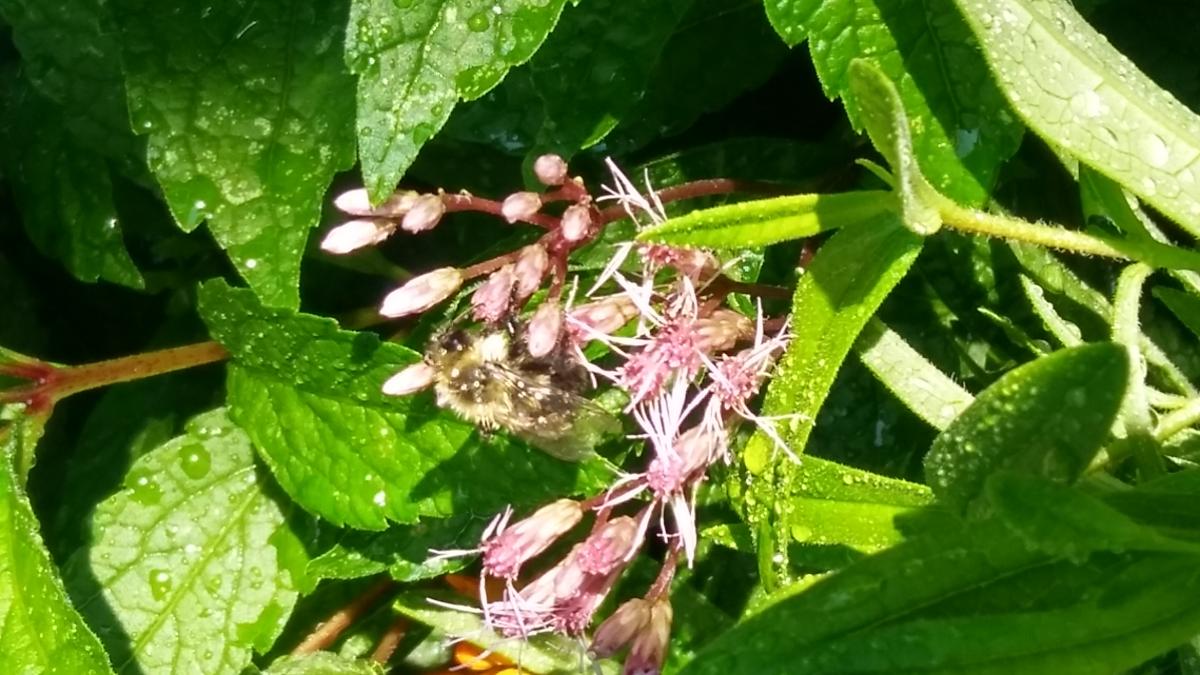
[687, 81]
[129, 420]
[837, 504]
[927, 391]
[961, 128]
[1046, 418]
[401, 550]
[323, 663]
[415, 60]
[1064, 521]
[63, 190]
[768, 221]
[970, 600]
[40, 632]
[71, 53]
[310, 397]
[183, 574]
[1185, 306]
[847, 280]
[882, 113]
[545, 654]
[1067, 333]
[247, 121]
[843, 286]
[1078, 92]
[595, 65]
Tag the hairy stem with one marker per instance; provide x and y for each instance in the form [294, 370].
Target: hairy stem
[1016, 229]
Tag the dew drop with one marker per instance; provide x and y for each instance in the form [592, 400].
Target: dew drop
[1153, 149]
[380, 498]
[195, 459]
[478, 22]
[145, 491]
[160, 583]
[251, 264]
[421, 133]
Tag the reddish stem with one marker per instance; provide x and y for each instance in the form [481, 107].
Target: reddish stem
[469, 202]
[52, 384]
[327, 633]
[662, 584]
[390, 640]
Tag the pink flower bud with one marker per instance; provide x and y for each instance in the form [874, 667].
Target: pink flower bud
[544, 329]
[606, 315]
[410, 380]
[721, 330]
[550, 169]
[530, 269]
[673, 467]
[576, 221]
[424, 215]
[610, 547]
[506, 552]
[493, 298]
[649, 648]
[421, 293]
[520, 206]
[356, 202]
[355, 234]
[619, 629]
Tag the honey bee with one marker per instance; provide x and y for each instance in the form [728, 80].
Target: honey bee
[488, 377]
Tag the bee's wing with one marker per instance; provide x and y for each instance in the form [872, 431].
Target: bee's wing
[559, 422]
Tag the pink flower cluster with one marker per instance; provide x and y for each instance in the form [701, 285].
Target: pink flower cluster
[690, 366]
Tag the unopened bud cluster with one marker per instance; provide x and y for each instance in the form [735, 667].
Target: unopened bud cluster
[690, 365]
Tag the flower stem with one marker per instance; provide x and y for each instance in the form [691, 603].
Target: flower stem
[1178, 420]
[698, 188]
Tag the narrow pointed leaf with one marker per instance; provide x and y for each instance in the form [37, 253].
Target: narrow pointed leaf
[1047, 418]
[1073, 88]
[769, 221]
[927, 391]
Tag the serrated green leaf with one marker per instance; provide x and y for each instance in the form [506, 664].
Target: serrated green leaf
[323, 663]
[1184, 306]
[247, 121]
[927, 391]
[837, 504]
[969, 600]
[768, 221]
[1064, 521]
[1046, 418]
[63, 190]
[961, 128]
[403, 551]
[843, 286]
[415, 60]
[882, 113]
[595, 65]
[1078, 92]
[182, 575]
[128, 421]
[40, 632]
[545, 654]
[70, 51]
[310, 397]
